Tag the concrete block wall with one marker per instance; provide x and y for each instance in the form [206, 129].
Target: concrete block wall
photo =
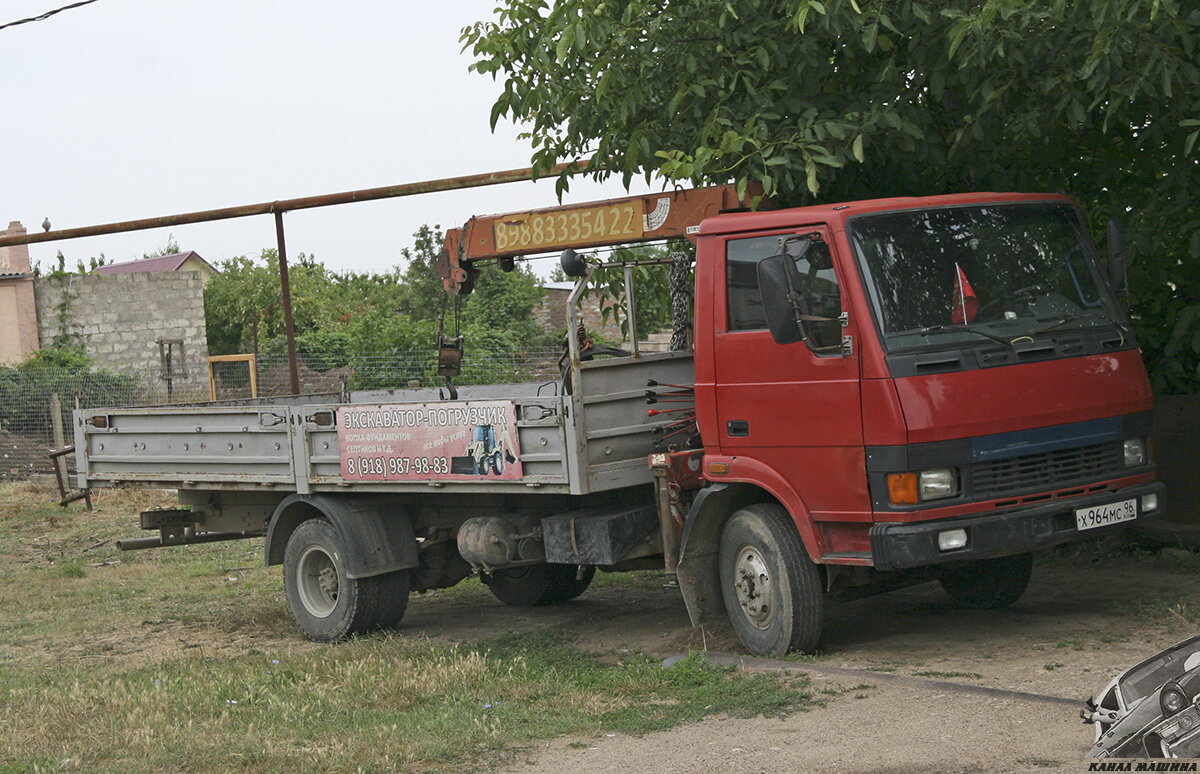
[119, 318]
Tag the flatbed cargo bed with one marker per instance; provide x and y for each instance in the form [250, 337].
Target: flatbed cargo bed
[593, 439]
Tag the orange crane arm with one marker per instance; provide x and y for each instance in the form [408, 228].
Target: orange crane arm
[594, 224]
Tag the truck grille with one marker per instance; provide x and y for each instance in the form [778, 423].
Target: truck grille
[1047, 470]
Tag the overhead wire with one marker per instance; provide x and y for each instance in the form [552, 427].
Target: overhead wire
[47, 14]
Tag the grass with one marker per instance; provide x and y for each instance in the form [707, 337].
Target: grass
[1162, 609]
[186, 660]
[383, 703]
[947, 675]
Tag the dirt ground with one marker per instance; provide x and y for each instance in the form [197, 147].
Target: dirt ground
[1085, 617]
[1079, 624]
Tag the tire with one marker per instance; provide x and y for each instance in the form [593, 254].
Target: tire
[772, 590]
[497, 463]
[538, 584]
[393, 598]
[989, 584]
[325, 604]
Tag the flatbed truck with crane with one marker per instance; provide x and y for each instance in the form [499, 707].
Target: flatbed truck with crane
[863, 395]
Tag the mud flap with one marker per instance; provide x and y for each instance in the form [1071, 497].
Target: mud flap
[376, 532]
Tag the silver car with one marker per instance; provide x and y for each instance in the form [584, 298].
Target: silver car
[1152, 709]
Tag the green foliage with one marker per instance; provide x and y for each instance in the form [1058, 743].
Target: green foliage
[501, 306]
[171, 247]
[421, 295]
[383, 325]
[25, 389]
[651, 287]
[850, 99]
[59, 268]
[69, 359]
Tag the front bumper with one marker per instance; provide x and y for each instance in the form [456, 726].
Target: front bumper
[896, 546]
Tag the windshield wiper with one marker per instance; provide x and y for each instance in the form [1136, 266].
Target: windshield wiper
[954, 327]
[1079, 316]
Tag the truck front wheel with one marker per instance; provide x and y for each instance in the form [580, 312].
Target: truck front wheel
[328, 606]
[538, 584]
[772, 590]
[989, 584]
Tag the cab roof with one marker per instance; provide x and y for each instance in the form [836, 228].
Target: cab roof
[835, 214]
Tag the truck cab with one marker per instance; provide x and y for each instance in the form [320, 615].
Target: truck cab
[942, 384]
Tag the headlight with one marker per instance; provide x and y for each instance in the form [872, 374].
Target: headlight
[1172, 700]
[938, 483]
[1135, 452]
[1177, 726]
[932, 484]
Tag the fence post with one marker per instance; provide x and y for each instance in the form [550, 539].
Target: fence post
[56, 425]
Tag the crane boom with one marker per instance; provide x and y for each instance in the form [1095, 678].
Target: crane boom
[617, 221]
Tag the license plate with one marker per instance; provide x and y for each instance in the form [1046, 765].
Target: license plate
[1104, 515]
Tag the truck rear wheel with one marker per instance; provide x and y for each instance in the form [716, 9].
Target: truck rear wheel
[538, 584]
[328, 606]
[772, 590]
[989, 584]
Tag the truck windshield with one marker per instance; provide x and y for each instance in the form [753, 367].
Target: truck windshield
[957, 274]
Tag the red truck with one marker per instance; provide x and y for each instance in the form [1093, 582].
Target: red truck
[883, 392]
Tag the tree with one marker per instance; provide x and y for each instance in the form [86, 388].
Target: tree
[850, 99]
[382, 324]
[422, 296]
[170, 248]
[501, 306]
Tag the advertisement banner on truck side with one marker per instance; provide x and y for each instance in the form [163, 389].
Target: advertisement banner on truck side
[429, 441]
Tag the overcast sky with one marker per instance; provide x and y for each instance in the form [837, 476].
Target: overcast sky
[128, 109]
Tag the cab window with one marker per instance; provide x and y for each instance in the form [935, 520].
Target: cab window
[819, 287]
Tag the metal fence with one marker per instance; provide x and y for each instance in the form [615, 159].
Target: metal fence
[30, 398]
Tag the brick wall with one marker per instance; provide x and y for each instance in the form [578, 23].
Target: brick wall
[119, 318]
[18, 320]
[552, 315]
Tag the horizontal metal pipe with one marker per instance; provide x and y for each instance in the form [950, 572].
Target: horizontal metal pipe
[135, 544]
[302, 203]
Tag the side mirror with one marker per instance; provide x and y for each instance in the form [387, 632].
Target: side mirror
[1117, 264]
[776, 282]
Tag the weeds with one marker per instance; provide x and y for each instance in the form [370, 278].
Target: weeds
[68, 569]
[385, 702]
[1161, 610]
[947, 675]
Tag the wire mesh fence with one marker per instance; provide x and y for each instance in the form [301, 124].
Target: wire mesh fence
[36, 403]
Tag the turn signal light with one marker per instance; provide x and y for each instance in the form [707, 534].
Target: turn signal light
[902, 488]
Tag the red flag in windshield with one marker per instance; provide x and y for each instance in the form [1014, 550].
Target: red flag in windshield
[964, 299]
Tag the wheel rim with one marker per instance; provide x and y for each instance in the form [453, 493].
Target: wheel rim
[317, 581]
[753, 586]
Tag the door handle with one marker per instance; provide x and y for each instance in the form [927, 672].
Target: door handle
[737, 428]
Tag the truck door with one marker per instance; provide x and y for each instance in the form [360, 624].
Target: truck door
[794, 408]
